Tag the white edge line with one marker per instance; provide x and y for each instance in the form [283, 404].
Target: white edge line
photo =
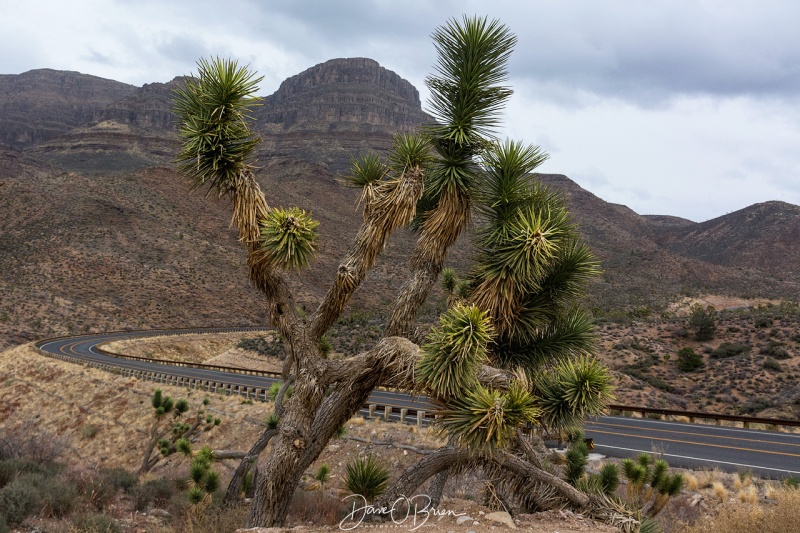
[698, 459]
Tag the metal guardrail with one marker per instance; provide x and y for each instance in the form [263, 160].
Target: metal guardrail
[696, 415]
[201, 366]
[386, 409]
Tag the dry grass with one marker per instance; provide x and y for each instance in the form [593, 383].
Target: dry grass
[62, 399]
[748, 495]
[779, 518]
[691, 482]
[719, 491]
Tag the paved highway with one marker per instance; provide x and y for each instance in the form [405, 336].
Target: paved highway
[766, 453]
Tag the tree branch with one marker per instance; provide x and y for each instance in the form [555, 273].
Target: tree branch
[394, 205]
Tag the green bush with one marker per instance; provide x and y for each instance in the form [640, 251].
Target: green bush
[3, 524]
[55, 498]
[367, 477]
[730, 349]
[121, 479]
[11, 469]
[703, 322]
[688, 360]
[776, 350]
[772, 364]
[762, 322]
[18, 500]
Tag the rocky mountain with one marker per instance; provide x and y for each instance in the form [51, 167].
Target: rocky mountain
[338, 108]
[39, 105]
[764, 237]
[98, 232]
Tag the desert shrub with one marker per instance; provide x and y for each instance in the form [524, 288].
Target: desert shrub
[771, 364]
[93, 486]
[54, 497]
[18, 500]
[753, 406]
[157, 492]
[367, 477]
[32, 443]
[776, 350]
[762, 322]
[703, 322]
[120, 479]
[11, 469]
[95, 523]
[688, 360]
[263, 346]
[3, 524]
[318, 507]
[730, 349]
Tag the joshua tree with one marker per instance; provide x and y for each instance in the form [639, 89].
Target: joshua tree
[514, 349]
[168, 428]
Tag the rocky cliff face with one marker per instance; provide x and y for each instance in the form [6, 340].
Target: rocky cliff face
[355, 94]
[39, 105]
[149, 107]
[337, 109]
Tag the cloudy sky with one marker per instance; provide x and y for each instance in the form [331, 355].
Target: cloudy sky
[687, 108]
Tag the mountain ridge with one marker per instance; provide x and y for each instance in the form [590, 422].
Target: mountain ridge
[94, 197]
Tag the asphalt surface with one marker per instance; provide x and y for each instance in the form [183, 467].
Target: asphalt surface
[766, 453]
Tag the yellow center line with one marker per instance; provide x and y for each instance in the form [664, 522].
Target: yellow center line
[693, 434]
[696, 443]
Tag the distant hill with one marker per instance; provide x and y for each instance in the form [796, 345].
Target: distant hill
[99, 231]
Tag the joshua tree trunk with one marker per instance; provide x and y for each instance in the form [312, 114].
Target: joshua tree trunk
[235, 485]
[437, 488]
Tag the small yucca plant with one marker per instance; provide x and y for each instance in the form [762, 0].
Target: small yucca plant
[288, 238]
[367, 477]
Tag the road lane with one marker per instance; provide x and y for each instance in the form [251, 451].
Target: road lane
[767, 453]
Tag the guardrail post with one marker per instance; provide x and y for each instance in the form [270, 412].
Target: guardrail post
[372, 408]
[403, 413]
[387, 411]
[420, 418]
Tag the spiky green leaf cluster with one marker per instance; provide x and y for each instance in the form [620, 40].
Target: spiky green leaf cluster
[213, 111]
[577, 459]
[531, 269]
[573, 390]
[484, 419]
[466, 98]
[162, 404]
[409, 150]
[449, 280]
[288, 238]
[454, 350]
[367, 477]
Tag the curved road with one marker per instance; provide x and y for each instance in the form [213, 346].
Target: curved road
[766, 453]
